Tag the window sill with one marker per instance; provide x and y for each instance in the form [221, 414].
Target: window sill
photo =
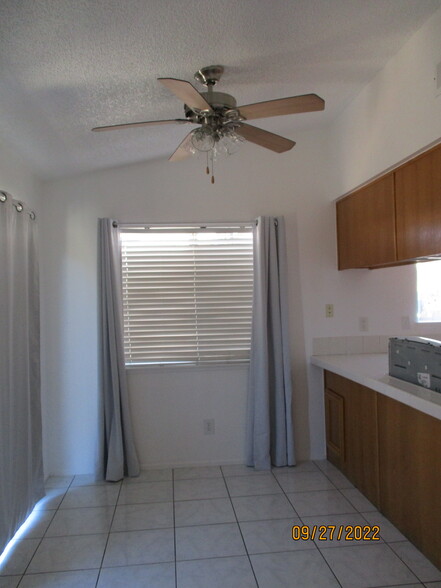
[186, 368]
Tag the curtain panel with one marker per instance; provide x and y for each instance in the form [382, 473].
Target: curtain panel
[269, 419]
[21, 461]
[119, 453]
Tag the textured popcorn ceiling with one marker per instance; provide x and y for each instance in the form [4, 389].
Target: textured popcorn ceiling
[69, 65]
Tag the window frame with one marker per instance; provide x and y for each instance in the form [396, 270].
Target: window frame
[164, 228]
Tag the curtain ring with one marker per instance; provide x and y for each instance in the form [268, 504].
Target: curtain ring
[19, 207]
[32, 215]
[3, 197]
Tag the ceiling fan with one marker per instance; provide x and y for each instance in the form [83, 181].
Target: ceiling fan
[221, 122]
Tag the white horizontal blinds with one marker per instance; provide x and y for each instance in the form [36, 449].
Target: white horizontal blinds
[187, 295]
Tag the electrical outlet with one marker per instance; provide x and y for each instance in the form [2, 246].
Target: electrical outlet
[363, 324]
[209, 427]
[329, 310]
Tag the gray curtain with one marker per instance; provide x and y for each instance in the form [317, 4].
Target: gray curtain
[269, 418]
[120, 457]
[21, 461]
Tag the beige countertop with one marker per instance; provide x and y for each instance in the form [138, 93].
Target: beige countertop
[372, 370]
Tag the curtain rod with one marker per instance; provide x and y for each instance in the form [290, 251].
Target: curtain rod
[172, 225]
[189, 226]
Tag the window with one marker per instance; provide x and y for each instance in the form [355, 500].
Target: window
[187, 294]
[429, 292]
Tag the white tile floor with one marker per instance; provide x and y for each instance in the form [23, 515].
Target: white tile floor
[210, 527]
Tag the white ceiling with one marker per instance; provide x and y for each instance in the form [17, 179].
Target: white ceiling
[69, 65]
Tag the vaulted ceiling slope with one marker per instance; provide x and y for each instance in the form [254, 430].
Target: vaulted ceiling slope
[67, 66]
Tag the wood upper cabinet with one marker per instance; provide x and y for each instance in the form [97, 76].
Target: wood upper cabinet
[418, 206]
[351, 432]
[366, 226]
[394, 220]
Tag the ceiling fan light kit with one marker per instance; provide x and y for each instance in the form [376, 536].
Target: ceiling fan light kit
[221, 123]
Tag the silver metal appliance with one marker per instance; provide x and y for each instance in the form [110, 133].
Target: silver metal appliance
[416, 360]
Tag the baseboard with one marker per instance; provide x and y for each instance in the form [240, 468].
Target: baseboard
[188, 464]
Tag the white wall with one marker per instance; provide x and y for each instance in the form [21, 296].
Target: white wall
[396, 115]
[17, 177]
[168, 405]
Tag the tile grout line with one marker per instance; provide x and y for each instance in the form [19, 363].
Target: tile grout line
[239, 527]
[384, 542]
[108, 535]
[44, 534]
[30, 560]
[407, 565]
[59, 509]
[174, 527]
[357, 511]
[301, 520]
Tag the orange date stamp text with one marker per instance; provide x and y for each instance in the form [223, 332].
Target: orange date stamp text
[337, 532]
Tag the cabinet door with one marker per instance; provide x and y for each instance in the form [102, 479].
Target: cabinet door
[362, 442]
[418, 206]
[410, 473]
[336, 396]
[366, 226]
[351, 432]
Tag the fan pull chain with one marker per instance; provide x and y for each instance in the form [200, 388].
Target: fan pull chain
[207, 169]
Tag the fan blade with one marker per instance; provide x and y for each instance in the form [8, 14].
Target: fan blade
[265, 139]
[182, 152]
[292, 105]
[180, 121]
[187, 93]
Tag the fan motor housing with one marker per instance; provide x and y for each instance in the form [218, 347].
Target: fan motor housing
[217, 100]
[223, 105]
